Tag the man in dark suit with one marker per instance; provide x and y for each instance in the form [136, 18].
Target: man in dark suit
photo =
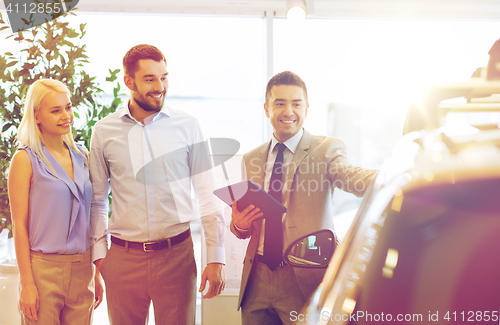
[301, 170]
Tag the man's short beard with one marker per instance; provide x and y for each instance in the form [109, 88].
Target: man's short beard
[143, 103]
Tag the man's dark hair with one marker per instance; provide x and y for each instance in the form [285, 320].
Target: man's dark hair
[285, 78]
[140, 52]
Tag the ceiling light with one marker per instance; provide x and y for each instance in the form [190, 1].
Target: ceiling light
[296, 9]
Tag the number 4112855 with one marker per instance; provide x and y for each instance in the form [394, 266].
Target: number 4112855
[472, 316]
[34, 8]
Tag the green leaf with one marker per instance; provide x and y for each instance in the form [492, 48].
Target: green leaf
[116, 102]
[72, 33]
[51, 50]
[6, 127]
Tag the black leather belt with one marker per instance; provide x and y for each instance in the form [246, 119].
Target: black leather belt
[260, 258]
[154, 245]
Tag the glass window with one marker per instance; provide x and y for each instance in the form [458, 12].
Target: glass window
[216, 65]
[363, 74]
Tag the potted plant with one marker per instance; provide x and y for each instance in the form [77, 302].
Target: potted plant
[47, 51]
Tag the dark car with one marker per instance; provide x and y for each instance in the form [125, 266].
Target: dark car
[424, 247]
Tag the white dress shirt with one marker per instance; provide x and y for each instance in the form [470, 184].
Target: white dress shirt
[151, 169]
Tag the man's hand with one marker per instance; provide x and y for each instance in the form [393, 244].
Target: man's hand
[99, 291]
[213, 273]
[244, 219]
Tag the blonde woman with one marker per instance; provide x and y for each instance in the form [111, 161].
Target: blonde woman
[50, 194]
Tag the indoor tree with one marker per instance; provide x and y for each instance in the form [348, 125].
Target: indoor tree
[52, 50]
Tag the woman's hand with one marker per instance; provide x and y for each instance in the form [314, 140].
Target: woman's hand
[29, 303]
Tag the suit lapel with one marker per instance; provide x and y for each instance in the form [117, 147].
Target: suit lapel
[255, 169]
[255, 172]
[300, 154]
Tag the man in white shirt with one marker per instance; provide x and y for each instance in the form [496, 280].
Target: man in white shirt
[152, 155]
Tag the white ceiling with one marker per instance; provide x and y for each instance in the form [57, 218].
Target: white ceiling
[399, 9]
[454, 9]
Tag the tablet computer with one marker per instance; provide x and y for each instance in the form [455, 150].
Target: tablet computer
[246, 193]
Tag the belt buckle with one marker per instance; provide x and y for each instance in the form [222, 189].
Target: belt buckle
[145, 248]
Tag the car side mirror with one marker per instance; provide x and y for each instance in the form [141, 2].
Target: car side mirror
[311, 251]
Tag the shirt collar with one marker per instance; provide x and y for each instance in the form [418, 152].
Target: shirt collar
[291, 143]
[165, 110]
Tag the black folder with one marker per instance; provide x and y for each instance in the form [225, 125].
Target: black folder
[246, 193]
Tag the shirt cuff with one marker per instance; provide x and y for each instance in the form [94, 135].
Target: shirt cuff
[100, 249]
[216, 255]
[243, 232]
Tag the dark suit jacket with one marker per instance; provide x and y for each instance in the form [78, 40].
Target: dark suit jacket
[318, 166]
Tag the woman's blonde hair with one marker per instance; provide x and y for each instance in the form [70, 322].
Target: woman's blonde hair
[29, 132]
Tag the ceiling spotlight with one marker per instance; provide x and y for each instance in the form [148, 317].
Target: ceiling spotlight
[296, 9]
